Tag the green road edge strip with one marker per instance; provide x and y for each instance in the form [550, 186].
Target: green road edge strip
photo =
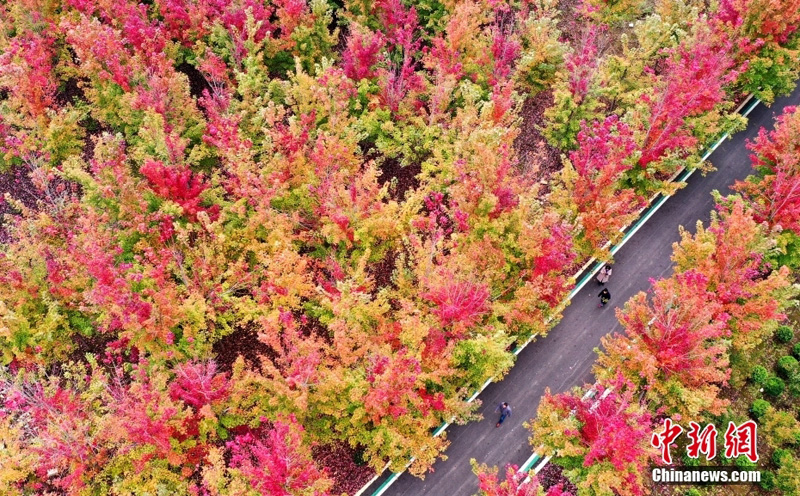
[529, 463]
[650, 211]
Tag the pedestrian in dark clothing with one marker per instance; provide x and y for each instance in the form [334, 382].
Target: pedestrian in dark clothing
[505, 411]
[604, 275]
[604, 297]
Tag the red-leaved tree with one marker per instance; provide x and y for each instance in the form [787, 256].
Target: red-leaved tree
[692, 84]
[514, 484]
[275, 461]
[581, 65]
[672, 346]
[774, 192]
[730, 255]
[26, 71]
[400, 25]
[459, 302]
[603, 439]
[600, 160]
[198, 384]
[362, 53]
[180, 185]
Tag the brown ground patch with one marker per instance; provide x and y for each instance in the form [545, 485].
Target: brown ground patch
[339, 460]
[311, 326]
[71, 92]
[552, 475]
[197, 82]
[243, 341]
[567, 16]
[538, 158]
[19, 186]
[96, 345]
[382, 271]
[401, 178]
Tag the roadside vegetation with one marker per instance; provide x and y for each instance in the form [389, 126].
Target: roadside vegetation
[712, 344]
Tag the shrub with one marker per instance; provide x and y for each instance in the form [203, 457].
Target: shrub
[693, 492]
[787, 366]
[759, 374]
[794, 387]
[779, 456]
[774, 386]
[796, 350]
[759, 408]
[784, 334]
[767, 481]
[786, 477]
[689, 462]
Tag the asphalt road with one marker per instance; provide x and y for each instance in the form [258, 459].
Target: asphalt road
[564, 358]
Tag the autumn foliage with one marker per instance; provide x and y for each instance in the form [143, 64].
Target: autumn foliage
[515, 483]
[774, 191]
[672, 345]
[594, 174]
[602, 441]
[693, 83]
[683, 339]
[217, 174]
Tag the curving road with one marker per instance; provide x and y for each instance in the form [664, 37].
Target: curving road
[564, 358]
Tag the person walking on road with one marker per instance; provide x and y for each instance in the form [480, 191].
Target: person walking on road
[604, 275]
[505, 411]
[604, 297]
